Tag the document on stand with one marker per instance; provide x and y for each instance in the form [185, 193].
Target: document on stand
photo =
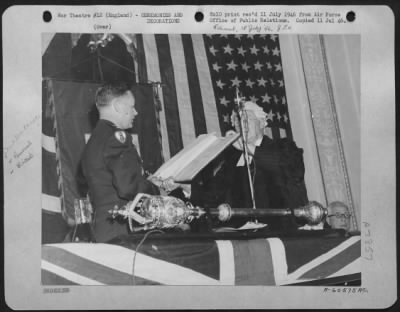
[189, 161]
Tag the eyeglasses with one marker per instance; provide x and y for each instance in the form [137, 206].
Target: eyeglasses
[340, 215]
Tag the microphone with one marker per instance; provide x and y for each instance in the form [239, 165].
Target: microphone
[238, 101]
[244, 129]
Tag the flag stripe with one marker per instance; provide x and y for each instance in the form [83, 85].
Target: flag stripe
[182, 89]
[216, 91]
[147, 127]
[48, 143]
[153, 74]
[49, 174]
[282, 133]
[226, 262]
[278, 259]
[87, 137]
[268, 132]
[350, 268]
[203, 257]
[51, 104]
[253, 262]
[275, 132]
[47, 110]
[48, 126]
[194, 86]
[142, 64]
[169, 94]
[289, 128]
[84, 267]
[335, 263]
[51, 203]
[51, 193]
[206, 87]
[66, 274]
[146, 267]
[298, 255]
[50, 278]
[322, 258]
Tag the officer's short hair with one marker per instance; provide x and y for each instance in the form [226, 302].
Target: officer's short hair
[107, 92]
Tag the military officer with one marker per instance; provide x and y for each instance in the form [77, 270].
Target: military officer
[110, 162]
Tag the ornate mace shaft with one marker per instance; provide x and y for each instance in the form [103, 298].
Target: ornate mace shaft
[166, 211]
[312, 213]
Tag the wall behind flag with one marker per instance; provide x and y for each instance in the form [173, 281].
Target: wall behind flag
[343, 60]
[323, 78]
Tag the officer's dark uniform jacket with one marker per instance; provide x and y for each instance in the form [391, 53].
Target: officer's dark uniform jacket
[113, 171]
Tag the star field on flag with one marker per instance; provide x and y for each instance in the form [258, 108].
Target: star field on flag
[251, 63]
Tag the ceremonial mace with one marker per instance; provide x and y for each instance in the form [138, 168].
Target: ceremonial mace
[312, 213]
[240, 110]
[156, 211]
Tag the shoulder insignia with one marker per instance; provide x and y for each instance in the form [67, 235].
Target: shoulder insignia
[120, 136]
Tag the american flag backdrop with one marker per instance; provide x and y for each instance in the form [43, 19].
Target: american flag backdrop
[200, 75]
[195, 76]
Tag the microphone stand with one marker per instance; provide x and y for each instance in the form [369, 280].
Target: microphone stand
[240, 109]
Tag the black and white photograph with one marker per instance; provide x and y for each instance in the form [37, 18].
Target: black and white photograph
[232, 222]
[230, 155]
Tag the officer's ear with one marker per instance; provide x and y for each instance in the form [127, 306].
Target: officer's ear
[116, 106]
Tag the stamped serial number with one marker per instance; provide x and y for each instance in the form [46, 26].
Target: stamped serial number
[344, 290]
[55, 290]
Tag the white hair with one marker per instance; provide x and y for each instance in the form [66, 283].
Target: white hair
[257, 111]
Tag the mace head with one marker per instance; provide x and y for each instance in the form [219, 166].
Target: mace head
[313, 213]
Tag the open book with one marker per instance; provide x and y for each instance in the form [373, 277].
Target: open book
[190, 160]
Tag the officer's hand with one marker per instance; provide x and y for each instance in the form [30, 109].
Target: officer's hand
[186, 189]
[156, 181]
[169, 185]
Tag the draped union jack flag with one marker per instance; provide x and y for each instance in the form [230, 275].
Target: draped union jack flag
[168, 261]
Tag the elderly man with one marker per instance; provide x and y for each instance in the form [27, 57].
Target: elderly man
[110, 162]
[277, 169]
[338, 216]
